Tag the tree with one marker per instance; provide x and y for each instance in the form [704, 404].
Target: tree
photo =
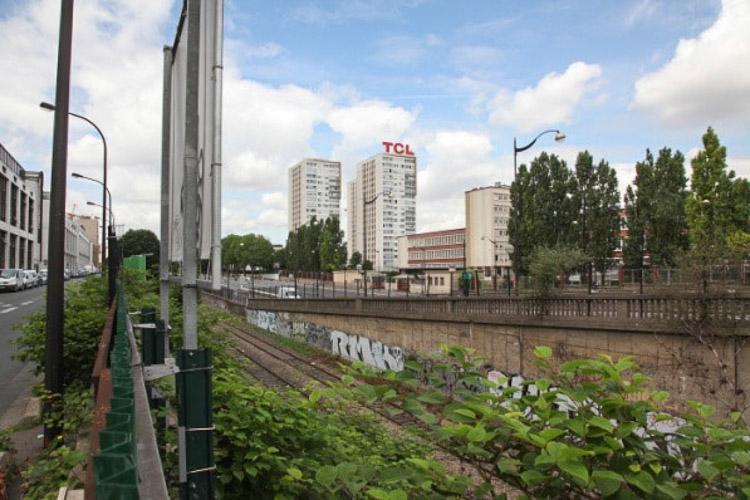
[639, 200]
[332, 246]
[140, 242]
[717, 206]
[238, 252]
[597, 199]
[355, 260]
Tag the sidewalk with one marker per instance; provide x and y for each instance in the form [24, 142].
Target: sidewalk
[24, 413]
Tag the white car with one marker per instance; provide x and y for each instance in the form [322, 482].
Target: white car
[286, 292]
[12, 279]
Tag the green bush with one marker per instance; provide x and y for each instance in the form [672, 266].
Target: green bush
[608, 447]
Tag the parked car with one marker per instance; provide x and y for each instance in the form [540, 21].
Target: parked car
[11, 279]
[30, 278]
[287, 292]
[43, 277]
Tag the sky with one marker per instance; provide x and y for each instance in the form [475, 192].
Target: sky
[457, 81]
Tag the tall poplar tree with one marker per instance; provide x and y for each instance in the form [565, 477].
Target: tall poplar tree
[717, 206]
[667, 234]
[597, 199]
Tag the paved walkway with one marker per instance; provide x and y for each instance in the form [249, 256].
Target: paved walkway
[29, 441]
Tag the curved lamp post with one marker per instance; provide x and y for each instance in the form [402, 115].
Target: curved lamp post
[51, 107]
[559, 136]
[109, 195]
[389, 194]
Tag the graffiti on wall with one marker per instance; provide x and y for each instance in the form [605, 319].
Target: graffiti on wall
[371, 352]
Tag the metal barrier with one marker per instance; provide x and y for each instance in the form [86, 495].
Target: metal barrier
[115, 473]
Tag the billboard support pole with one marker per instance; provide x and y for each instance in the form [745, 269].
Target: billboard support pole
[194, 381]
[217, 75]
[164, 230]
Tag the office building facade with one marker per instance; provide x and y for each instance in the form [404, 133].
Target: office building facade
[314, 191]
[382, 207]
[21, 207]
[488, 218]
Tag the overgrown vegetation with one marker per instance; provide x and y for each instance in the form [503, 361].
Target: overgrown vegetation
[85, 314]
[589, 429]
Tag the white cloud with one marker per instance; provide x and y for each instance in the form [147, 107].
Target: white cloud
[554, 99]
[404, 50]
[708, 79]
[367, 123]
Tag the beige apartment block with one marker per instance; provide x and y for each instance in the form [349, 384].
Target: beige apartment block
[314, 191]
[488, 217]
[382, 207]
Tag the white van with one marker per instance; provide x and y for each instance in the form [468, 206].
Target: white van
[286, 292]
[30, 279]
[12, 279]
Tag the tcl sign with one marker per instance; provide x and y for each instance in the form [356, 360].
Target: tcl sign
[398, 148]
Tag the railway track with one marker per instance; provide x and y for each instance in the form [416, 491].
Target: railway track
[281, 367]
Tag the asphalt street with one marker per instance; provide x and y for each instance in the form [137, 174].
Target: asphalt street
[14, 309]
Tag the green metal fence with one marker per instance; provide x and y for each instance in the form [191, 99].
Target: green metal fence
[115, 471]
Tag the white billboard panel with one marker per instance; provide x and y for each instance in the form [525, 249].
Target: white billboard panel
[206, 130]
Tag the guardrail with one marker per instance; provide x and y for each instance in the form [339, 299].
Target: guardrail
[684, 308]
[125, 456]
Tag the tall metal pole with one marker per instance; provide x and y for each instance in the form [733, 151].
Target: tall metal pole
[217, 74]
[517, 208]
[53, 363]
[164, 249]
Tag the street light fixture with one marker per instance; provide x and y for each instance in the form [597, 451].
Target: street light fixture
[389, 194]
[111, 218]
[51, 107]
[109, 194]
[559, 136]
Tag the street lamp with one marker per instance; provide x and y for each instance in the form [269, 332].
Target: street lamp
[109, 194]
[111, 218]
[559, 136]
[51, 107]
[389, 194]
[494, 257]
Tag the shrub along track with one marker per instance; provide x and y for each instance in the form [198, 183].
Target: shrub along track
[280, 367]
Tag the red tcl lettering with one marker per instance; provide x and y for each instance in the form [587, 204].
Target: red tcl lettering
[398, 148]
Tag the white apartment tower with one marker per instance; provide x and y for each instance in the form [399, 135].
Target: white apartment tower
[382, 207]
[488, 215]
[314, 191]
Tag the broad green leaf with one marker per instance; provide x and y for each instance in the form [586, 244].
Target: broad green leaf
[533, 476]
[706, 410]
[575, 469]
[543, 352]
[476, 434]
[465, 413]
[508, 465]
[542, 384]
[707, 470]
[741, 457]
[672, 490]
[315, 396]
[608, 482]
[550, 434]
[642, 481]
[397, 495]
[294, 472]
[378, 494]
[326, 475]
[601, 423]
[576, 426]
[433, 397]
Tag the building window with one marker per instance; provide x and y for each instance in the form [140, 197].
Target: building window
[12, 251]
[22, 218]
[3, 198]
[13, 205]
[3, 243]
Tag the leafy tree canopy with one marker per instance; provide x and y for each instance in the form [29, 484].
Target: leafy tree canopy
[140, 242]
